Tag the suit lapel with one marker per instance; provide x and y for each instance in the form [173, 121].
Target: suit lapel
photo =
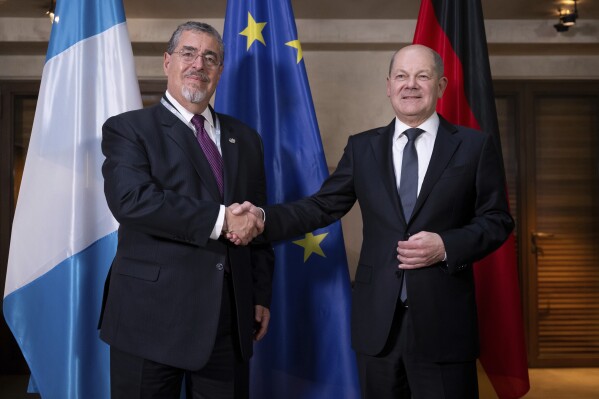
[445, 146]
[183, 136]
[382, 146]
[230, 148]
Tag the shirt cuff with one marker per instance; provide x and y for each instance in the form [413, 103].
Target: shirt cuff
[263, 214]
[218, 227]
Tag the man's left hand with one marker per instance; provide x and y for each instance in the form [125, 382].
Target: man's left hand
[420, 250]
[261, 320]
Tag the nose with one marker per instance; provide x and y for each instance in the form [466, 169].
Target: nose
[198, 63]
[412, 81]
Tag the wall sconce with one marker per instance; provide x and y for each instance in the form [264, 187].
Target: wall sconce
[50, 11]
[567, 18]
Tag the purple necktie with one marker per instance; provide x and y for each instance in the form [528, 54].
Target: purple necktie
[210, 150]
[408, 186]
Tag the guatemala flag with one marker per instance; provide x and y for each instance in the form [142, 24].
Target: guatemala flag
[307, 352]
[63, 235]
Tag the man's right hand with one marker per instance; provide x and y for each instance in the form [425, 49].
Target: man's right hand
[242, 223]
[254, 222]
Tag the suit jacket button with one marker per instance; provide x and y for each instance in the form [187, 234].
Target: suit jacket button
[219, 266]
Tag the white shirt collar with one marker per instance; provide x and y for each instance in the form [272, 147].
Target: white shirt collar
[207, 114]
[430, 126]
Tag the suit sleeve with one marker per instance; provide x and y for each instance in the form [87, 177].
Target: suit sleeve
[491, 223]
[137, 200]
[262, 254]
[263, 260]
[334, 199]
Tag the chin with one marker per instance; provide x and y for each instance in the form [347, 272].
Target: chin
[411, 112]
[194, 96]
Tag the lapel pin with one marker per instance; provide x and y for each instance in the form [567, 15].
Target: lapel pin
[232, 141]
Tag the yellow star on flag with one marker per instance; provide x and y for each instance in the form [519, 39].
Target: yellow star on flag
[311, 244]
[297, 45]
[253, 31]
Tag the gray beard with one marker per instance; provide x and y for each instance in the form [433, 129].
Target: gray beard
[193, 96]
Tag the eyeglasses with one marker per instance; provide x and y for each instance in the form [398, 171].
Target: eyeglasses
[188, 56]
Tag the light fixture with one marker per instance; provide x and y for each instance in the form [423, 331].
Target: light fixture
[560, 27]
[50, 11]
[567, 18]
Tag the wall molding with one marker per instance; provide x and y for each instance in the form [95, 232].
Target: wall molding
[518, 48]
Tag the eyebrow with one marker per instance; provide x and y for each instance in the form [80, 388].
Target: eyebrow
[418, 72]
[191, 48]
[210, 52]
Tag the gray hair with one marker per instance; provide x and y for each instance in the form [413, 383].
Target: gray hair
[438, 61]
[198, 27]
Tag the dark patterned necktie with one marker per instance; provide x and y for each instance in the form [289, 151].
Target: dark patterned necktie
[408, 186]
[210, 150]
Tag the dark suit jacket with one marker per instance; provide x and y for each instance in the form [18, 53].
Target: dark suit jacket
[166, 280]
[462, 198]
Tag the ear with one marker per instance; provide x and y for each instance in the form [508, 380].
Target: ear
[442, 86]
[166, 62]
[388, 87]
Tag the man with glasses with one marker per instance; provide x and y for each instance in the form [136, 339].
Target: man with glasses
[180, 299]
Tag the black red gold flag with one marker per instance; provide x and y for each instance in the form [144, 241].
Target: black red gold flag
[455, 29]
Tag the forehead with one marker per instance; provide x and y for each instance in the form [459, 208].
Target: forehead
[199, 40]
[414, 58]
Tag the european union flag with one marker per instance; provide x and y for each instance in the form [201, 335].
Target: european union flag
[307, 351]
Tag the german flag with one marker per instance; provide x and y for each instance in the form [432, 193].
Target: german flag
[455, 29]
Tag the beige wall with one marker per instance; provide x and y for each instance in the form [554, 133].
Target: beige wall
[347, 62]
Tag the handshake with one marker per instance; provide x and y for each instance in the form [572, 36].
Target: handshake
[243, 222]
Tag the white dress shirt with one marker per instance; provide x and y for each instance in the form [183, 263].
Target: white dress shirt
[212, 127]
[425, 143]
[424, 146]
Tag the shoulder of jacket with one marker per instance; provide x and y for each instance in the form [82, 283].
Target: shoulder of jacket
[231, 123]
[471, 134]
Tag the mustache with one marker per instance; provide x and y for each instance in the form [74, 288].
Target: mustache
[200, 74]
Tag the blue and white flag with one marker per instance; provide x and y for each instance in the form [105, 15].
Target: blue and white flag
[307, 352]
[63, 234]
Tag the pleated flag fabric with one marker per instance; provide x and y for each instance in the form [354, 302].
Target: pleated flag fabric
[456, 30]
[63, 235]
[307, 352]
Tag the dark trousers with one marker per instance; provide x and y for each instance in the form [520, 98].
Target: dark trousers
[397, 374]
[225, 376]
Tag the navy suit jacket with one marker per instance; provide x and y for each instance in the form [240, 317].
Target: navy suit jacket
[162, 300]
[462, 198]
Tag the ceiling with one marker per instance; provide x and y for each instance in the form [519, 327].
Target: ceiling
[319, 9]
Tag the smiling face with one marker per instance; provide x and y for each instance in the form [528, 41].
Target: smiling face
[193, 84]
[414, 85]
